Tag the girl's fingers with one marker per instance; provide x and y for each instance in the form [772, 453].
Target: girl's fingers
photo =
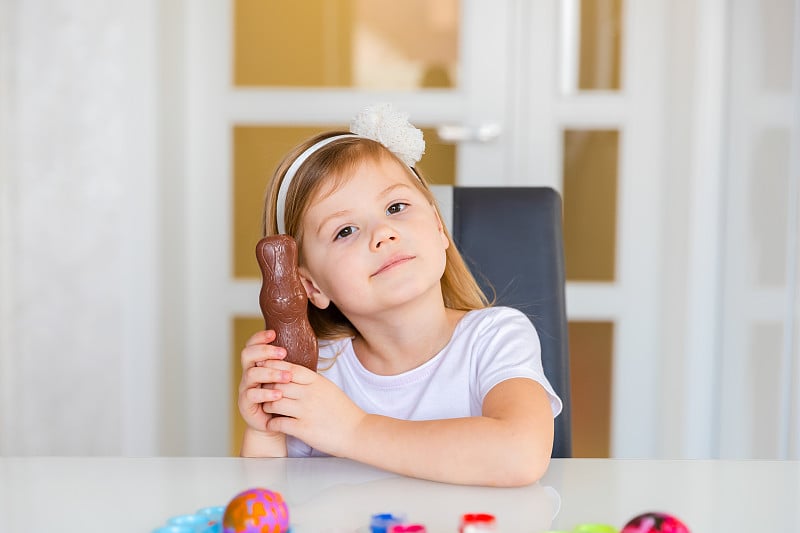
[278, 407]
[261, 337]
[258, 375]
[279, 364]
[302, 375]
[290, 391]
[257, 353]
[259, 395]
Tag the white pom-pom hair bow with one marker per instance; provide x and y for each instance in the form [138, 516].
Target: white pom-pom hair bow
[390, 128]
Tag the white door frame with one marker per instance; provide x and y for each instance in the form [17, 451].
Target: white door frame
[632, 302]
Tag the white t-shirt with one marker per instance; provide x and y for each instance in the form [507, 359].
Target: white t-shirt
[488, 346]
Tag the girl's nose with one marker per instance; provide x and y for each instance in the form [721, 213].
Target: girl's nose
[382, 235]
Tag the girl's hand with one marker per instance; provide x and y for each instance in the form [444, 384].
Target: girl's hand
[259, 380]
[316, 410]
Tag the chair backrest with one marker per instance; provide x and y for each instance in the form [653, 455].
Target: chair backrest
[511, 238]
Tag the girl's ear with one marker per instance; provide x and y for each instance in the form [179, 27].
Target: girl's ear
[442, 234]
[315, 295]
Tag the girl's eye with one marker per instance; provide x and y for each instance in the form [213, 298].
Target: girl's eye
[396, 208]
[344, 232]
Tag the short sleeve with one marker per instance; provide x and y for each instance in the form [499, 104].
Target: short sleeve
[507, 346]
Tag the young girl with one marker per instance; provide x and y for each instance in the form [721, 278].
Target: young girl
[418, 375]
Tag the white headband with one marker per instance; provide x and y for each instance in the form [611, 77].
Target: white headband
[379, 123]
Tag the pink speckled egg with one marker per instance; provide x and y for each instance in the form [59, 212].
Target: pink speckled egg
[256, 511]
[655, 523]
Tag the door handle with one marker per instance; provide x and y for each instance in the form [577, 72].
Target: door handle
[454, 133]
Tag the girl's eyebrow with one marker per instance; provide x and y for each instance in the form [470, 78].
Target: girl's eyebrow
[330, 217]
[391, 188]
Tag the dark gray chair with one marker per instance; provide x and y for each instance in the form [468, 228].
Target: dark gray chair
[511, 237]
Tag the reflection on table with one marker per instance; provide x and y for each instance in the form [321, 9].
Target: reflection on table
[336, 495]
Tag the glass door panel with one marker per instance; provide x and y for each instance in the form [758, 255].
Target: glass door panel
[591, 349]
[438, 164]
[257, 150]
[591, 45]
[364, 44]
[590, 203]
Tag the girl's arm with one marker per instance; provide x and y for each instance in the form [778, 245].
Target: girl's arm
[262, 444]
[509, 445]
[257, 387]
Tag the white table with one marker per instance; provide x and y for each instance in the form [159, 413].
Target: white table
[335, 495]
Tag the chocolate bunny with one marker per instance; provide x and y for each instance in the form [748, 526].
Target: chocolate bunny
[283, 299]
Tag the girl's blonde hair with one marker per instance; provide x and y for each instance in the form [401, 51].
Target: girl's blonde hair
[337, 160]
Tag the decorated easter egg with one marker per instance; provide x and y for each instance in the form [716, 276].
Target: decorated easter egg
[256, 511]
[408, 528]
[655, 523]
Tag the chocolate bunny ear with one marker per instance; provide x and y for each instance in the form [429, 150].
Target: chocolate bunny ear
[283, 300]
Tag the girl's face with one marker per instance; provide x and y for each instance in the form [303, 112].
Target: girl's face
[373, 244]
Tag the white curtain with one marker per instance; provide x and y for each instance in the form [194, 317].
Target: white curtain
[78, 365]
[759, 360]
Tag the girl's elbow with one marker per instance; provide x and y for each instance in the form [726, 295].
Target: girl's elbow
[529, 465]
[524, 468]
[528, 473]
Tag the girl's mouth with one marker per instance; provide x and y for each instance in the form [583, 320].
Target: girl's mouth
[393, 262]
